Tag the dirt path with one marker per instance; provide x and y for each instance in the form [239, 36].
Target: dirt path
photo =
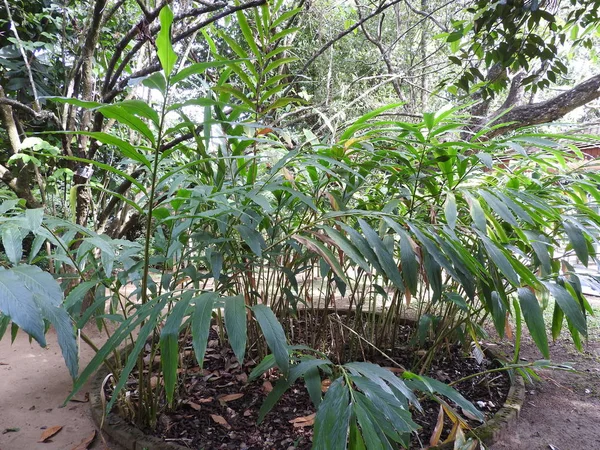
[34, 383]
[562, 413]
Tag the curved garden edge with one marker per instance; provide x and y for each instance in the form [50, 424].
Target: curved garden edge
[132, 438]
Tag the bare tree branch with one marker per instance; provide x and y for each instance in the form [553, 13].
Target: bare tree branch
[549, 110]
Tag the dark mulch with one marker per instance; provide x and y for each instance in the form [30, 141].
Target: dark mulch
[219, 408]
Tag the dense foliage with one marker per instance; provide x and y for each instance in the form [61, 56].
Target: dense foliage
[178, 165]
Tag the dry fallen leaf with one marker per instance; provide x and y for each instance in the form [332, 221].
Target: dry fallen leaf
[437, 431]
[205, 400]
[267, 386]
[242, 377]
[85, 442]
[220, 420]
[247, 413]
[49, 432]
[304, 421]
[231, 397]
[195, 406]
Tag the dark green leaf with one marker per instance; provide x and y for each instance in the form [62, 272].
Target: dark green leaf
[235, 323]
[333, 418]
[274, 335]
[201, 317]
[569, 306]
[169, 347]
[532, 313]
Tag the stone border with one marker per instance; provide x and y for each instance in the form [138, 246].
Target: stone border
[132, 438]
[120, 431]
[501, 422]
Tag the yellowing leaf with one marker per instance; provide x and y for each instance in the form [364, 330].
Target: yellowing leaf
[437, 431]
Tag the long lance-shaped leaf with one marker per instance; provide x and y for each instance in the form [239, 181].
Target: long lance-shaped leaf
[569, 306]
[128, 150]
[274, 335]
[120, 334]
[385, 257]
[499, 259]
[333, 418]
[347, 247]
[121, 115]
[532, 313]
[200, 68]
[235, 323]
[427, 384]
[318, 248]
[132, 358]
[201, 317]
[499, 208]
[169, 347]
[578, 241]
[410, 265]
[164, 47]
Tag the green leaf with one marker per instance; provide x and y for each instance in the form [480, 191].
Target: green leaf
[201, 318]
[13, 243]
[578, 241]
[375, 373]
[427, 384]
[500, 259]
[164, 48]
[16, 302]
[235, 323]
[169, 347]
[570, 306]
[369, 426]
[274, 335]
[532, 313]
[266, 364]
[450, 210]
[557, 321]
[347, 247]
[325, 253]
[140, 108]
[151, 314]
[128, 150]
[333, 418]
[499, 208]
[312, 378]
[34, 218]
[248, 36]
[253, 238]
[410, 265]
[200, 68]
[385, 258]
[121, 115]
[156, 81]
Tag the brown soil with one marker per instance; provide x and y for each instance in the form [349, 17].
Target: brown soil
[562, 412]
[220, 408]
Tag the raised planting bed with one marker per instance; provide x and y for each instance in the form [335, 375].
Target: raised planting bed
[218, 407]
